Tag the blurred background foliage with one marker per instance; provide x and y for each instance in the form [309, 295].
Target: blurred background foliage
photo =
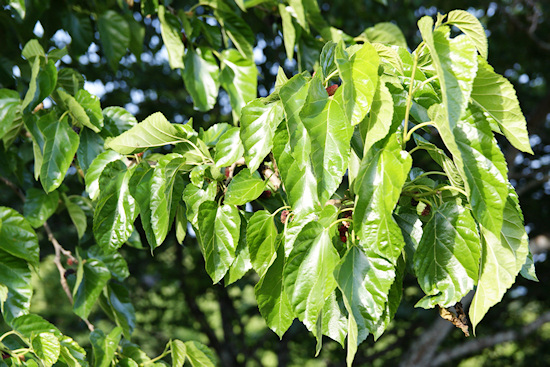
[172, 293]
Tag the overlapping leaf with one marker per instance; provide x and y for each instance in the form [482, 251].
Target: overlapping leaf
[229, 148]
[114, 33]
[17, 236]
[92, 276]
[244, 187]
[39, 206]
[170, 28]
[239, 77]
[15, 275]
[201, 77]
[261, 235]
[471, 27]
[105, 346]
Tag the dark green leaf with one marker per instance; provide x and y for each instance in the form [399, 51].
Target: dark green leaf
[219, 229]
[95, 169]
[201, 77]
[116, 298]
[258, 124]
[39, 206]
[79, 27]
[9, 106]
[446, 261]
[241, 265]
[91, 145]
[170, 28]
[271, 297]
[238, 31]
[243, 188]
[16, 276]
[17, 236]
[308, 279]
[72, 354]
[77, 214]
[105, 346]
[60, 146]
[30, 324]
[113, 261]
[114, 33]
[70, 80]
[92, 276]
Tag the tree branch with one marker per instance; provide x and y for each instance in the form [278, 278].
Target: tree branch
[478, 344]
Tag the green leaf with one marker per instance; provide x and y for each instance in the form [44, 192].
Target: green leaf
[117, 120]
[219, 229]
[327, 59]
[390, 55]
[116, 298]
[333, 320]
[116, 209]
[18, 6]
[200, 76]
[84, 108]
[258, 124]
[441, 158]
[241, 265]
[528, 269]
[271, 297]
[39, 206]
[105, 346]
[455, 61]
[179, 352]
[154, 131]
[199, 355]
[377, 124]
[502, 259]
[289, 32]
[239, 77]
[299, 181]
[381, 176]
[16, 276]
[60, 146]
[365, 280]
[194, 197]
[42, 84]
[170, 28]
[386, 33]
[91, 145]
[181, 223]
[243, 188]
[33, 49]
[471, 27]
[80, 29]
[113, 261]
[308, 279]
[229, 148]
[70, 80]
[298, 12]
[17, 237]
[330, 133]
[47, 348]
[114, 33]
[359, 74]
[261, 237]
[496, 97]
[92, 276]
[72, 354]
[238, 31]
[32, 324]
[446, 261]
[94, 171]
[9, 106]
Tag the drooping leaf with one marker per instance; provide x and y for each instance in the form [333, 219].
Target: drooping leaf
[9, 105]
[365, 280]
[92, 276]
[105, 346]
[16, 276]
[39, 206]
[239, 77]
[229, 148]
[377, 124]
[502, 258]
[298, 12]
[471, 27]
[289, 32]
[308, 278]
[194, 197]
[258, 124]
[170, 28]
[333, 319]
[72, 354]
[70, 80]
[359, 74]
[446, 261]
[117, 120]
[219, 229]
[17, 236]
[60, 146]
[94, 171]
[243, 188]
[116, 209]
[90, 146]
[200, 76]
[381, 176]
[116, 299]
[271, 297]
[79, 27]
[199, 355]
[528, 269]
[241, 265]
[495, 95]
[154, 131]
[114, 33]
[238, 31]
[113, 261]
[261, 235]
[84, 108]
[330, 132]
[42, 84]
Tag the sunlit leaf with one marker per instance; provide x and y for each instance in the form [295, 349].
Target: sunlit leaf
[47, 348]
[243, 188]
[229, 148]
[201, 74]
[170, 28]
[471, 27]
[239, 77]
[261, 236]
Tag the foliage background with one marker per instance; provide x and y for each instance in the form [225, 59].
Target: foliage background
[172, 293]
